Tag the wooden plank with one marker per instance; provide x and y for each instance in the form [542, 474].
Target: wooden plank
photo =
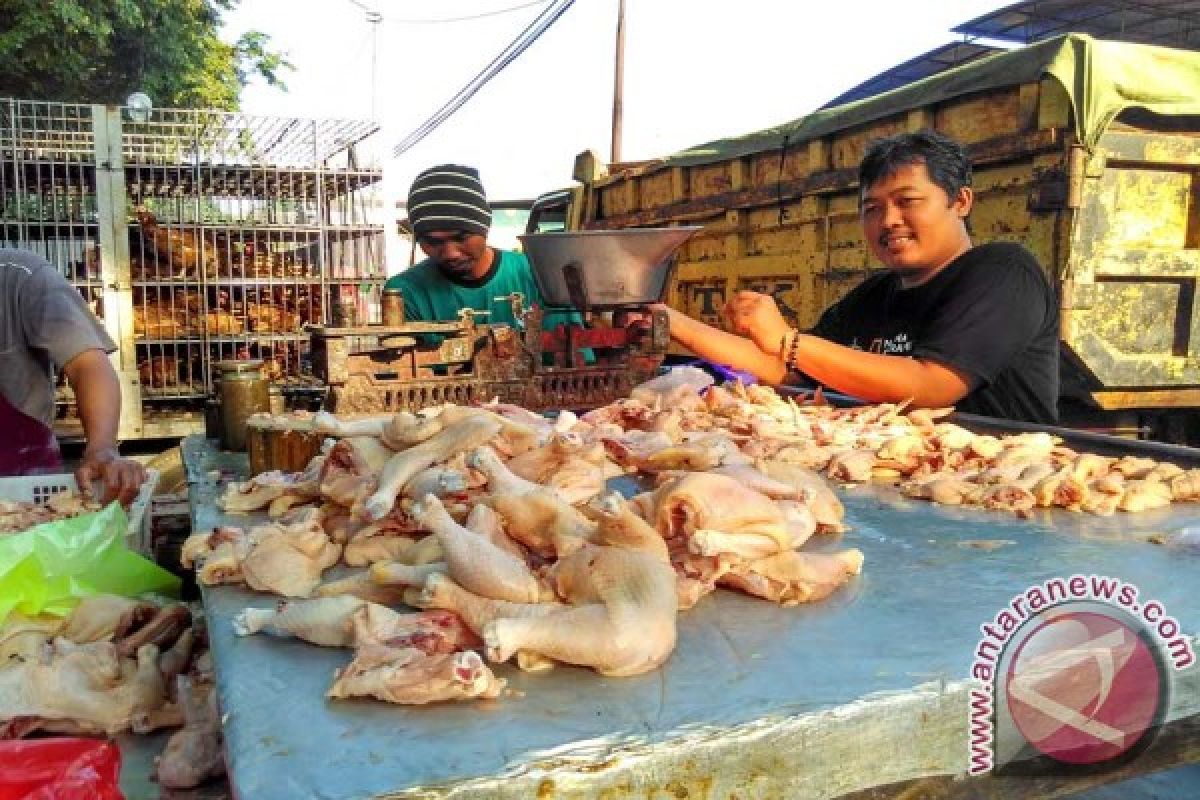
[919, 119]
[1157, 398]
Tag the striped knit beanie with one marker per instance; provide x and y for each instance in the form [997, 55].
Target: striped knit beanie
[448, 197]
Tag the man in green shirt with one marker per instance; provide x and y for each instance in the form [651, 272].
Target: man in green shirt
[450, 217]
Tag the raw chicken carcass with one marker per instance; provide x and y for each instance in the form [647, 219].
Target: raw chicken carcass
[432, 632]
[726, 516]
[622, 623]
[575, 469]
[361, 585]
[1186, 486]
[541, 520]
[794, 577]
[393, 573]
[351, 470]
[17, 515]
[487, 523]
[514, 437]
[477, 612]
[408, 676]
[679, 388]
[631, 448]
[820, 498]
[162, 630]
[1144, 494]
[948, 490]
[22, 638]
[440, 481]
[87, 686]
[261, 490]
[104, 617]
[852, 466]
[289, 559]
[217, 555]
[344, 427]
[500, 479]
[471, 432]
[326, 621]
[193, 755]
[618, 525]
[286, 556]
[364, 551]
[473, 561]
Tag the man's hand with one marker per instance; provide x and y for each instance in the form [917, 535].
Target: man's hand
[122, 477]
[626, 318]
[756, 315]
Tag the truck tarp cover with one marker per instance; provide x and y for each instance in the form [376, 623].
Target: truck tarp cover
[1102, 78]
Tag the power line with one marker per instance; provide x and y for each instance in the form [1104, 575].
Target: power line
[515, 48]
[526, 38]
[464, 19]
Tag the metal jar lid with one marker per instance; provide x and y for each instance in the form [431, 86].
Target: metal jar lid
[248, 367]
[392, 291]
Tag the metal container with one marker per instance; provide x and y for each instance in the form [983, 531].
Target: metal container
[604, 269]
[281, 442]
[393, 307]
[244, 391]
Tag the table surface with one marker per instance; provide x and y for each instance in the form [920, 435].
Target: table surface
[756, 698]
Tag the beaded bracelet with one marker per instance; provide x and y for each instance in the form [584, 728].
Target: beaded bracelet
[793, 351]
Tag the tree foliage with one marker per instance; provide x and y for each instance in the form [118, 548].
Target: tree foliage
[100, 51]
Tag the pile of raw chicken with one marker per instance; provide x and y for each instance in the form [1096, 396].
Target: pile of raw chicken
[20, 515]
[497, 523]
[113, 665]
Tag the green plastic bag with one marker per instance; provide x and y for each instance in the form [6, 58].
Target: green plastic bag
[49, 568]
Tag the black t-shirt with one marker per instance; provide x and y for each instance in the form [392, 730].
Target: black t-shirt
[990, 313]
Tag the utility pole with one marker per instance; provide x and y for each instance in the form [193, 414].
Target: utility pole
[374, 17]
[618, 84]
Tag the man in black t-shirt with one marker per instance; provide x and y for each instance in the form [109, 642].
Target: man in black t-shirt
[949, 323]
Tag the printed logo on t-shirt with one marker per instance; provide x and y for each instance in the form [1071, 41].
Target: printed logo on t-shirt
[897, 345]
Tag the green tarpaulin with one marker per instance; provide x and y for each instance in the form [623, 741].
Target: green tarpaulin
[1102, 79]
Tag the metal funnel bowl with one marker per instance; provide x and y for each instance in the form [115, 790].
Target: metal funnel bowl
[603, 269]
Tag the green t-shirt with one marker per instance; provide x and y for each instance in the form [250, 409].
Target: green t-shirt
[429, 296]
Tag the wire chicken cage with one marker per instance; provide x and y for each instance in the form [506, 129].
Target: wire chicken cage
[197, 236]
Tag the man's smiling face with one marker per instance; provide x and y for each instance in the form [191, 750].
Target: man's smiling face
[912, 226]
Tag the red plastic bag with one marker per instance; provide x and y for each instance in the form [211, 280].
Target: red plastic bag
[60, 769]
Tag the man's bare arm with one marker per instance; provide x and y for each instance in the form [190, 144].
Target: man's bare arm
[878, 378]
[719, 347]
[98, 395]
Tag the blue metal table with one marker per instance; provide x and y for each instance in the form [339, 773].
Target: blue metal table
[865, 689]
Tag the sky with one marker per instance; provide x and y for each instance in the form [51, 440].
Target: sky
[695, 70]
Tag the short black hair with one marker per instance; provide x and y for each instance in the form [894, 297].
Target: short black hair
[945, 160]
